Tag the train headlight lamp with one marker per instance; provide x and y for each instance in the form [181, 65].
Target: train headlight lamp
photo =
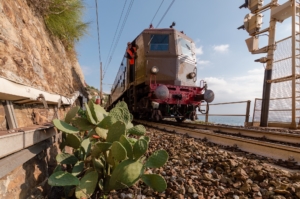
[154, 70]
[192, 75]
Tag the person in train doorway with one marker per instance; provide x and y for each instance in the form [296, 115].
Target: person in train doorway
[131, 55]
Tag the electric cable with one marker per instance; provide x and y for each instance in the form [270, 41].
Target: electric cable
[165, 13]
[98, 32]
[115, 34]
[157, 11]
[119, 35]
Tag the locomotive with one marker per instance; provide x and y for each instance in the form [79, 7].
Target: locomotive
[164, 78]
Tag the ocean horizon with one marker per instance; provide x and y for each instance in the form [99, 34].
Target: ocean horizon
[228, 120]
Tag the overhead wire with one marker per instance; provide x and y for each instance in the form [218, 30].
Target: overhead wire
[122, 27]
[98, 32]
[109, 55]
[165, 13]
[120, 32]
[157, 11]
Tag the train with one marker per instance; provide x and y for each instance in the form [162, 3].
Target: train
[164, 83]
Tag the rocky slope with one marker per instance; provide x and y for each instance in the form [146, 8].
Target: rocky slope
[29, 56]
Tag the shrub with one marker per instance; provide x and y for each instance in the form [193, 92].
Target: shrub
[104, 156]
[63, 19]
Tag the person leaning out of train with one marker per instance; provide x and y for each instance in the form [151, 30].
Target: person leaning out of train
[131, 55]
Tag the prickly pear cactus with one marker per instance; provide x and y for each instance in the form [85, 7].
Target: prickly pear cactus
[125, 174]
[104, 156]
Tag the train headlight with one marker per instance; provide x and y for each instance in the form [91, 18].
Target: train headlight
[192, 75]
[154, 70]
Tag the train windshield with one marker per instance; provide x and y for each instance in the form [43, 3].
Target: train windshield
[159, 43]
[186, 48]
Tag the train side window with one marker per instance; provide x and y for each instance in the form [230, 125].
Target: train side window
[159, 43]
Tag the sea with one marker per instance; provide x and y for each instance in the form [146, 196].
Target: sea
[228, 120]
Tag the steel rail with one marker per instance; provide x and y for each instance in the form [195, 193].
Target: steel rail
[266, 149]
[269, 135]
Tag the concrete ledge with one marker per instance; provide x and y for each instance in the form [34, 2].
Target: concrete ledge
[15, 160]
[13, 142]
[12, 91]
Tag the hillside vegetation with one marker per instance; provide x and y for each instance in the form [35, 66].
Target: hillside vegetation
[62, 18]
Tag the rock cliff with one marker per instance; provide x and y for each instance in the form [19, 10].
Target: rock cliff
[30, 56]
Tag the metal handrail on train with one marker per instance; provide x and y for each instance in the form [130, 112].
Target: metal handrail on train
[247, 114]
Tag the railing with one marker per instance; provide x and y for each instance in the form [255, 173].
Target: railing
[280, 112]
[246, 115]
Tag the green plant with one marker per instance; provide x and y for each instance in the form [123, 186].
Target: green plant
[82, 113]
[62, 18]
[104, 156]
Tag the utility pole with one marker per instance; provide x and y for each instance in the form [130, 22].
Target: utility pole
[101, 78]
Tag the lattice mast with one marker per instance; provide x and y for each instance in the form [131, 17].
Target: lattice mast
[285, 72]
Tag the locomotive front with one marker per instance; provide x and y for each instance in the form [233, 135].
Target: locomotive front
[171, 70]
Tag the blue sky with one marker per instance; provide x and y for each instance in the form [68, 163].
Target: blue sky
[223, 57]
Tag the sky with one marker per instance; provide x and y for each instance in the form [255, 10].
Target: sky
[223, 59]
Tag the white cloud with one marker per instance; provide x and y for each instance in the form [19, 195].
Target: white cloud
[199, 50]
[221, 48]
[235, 89]
[256, 71]
[203, 62]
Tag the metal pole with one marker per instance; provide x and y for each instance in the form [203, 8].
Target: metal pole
[268, 73]
[254, 109]
[247, 111]
[294, 124]
[206, 115]
[101, 78]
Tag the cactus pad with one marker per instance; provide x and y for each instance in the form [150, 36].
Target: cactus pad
[125, 174]
[62, 178]
[89, 114]
[78, 168]
[132, 141]
[118, 151]
[122, 104]
[137, 130]
[71, 114]
[98, 165]
[73, 141]
[124, 141]
[115, 132]
[145, 138]
[107, 122]
[157, 159]
[97, 111]
[86, 144]
[140, 148]
[103, 146]
[64, 127]
[87, 185]
[66, 158]
[156, 182]
[82, 124]
[101, 132]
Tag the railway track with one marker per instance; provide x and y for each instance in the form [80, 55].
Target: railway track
[274, 144]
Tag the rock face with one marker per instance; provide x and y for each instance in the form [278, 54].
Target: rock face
[30, 179]
[28, 55]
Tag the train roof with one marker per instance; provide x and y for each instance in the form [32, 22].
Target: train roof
[164, 30]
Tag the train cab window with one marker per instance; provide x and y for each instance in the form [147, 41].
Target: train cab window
[159, 43]
[186, 48]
